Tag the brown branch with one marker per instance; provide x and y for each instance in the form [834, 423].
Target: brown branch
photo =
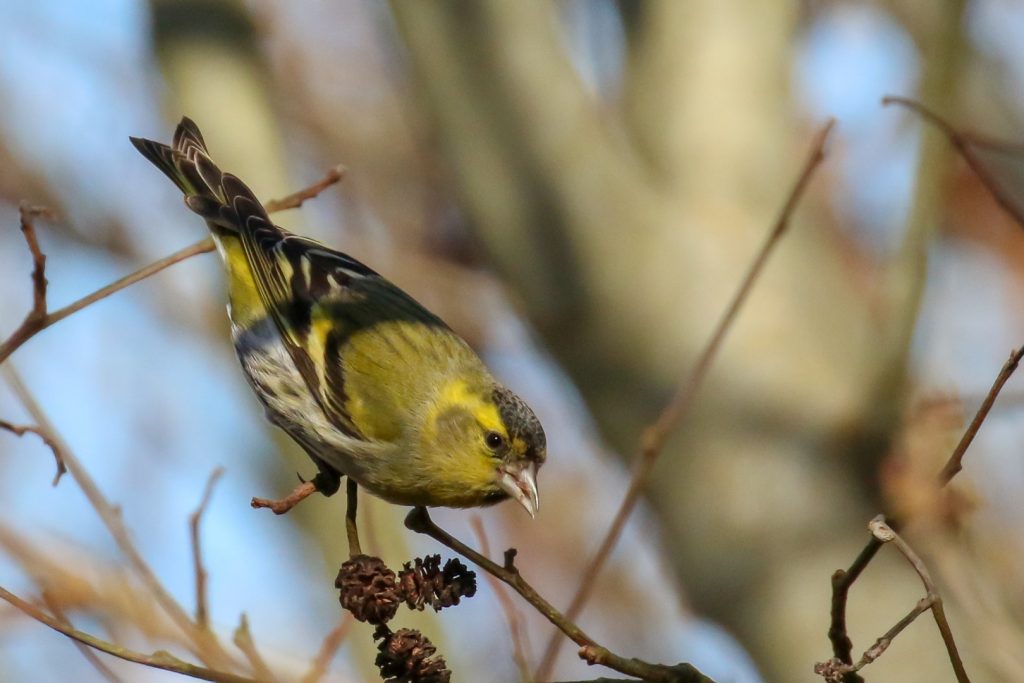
[21, 430]
[207, 646]
[157, 660]
[332, 642]
[963, 144]
[244, 642]
[515, 624]
[653, 439]
[418, 520]
[202, 613]
[87, 652]
[842, 580]
[955, 462]
[883, 533]
[38, 319]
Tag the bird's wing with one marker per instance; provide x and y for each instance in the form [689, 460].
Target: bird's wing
[319, 298]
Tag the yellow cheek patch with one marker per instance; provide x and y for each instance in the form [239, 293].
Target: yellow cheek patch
[519, 446]
[457, 392]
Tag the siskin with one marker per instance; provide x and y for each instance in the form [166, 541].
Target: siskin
[367, 381]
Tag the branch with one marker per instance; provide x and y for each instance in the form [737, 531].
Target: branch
[842, 580]
[244, 642]
[963, 144]
[202, 614]
[418, 520]
[328, 649]
[955, 462]
[207, 646]
[38, 319]
[515, 625]
[297, 199]
[653, 439]
[883, 533]
[87, 652]
[157, 660]
[21, 430]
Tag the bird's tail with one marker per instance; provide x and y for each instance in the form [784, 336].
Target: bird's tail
[222, 199]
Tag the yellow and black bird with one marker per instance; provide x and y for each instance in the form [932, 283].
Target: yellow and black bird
[370, 383]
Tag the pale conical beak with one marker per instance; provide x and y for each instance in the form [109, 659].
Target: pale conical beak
[521, 484]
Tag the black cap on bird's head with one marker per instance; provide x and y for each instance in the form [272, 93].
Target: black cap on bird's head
[526, 449]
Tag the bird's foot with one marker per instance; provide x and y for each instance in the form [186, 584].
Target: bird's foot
[283, 505]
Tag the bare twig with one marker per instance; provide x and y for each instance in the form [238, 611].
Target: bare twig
[244, 642]
[332, 642]
[883, 533]
[653, 439]
[87, 652]
[963, 144]
[842, 580]
[296, 199]
[21, 430]
[419, 521]
[202, 613]
[512, 618]
[157, 660]
[38, 319]
[207, 646]
[955, 462]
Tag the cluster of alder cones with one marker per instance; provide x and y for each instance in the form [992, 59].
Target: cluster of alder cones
[373, 592]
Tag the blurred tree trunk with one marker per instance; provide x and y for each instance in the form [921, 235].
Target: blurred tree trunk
[627, 230]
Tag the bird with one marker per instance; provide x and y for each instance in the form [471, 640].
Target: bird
[366, 380]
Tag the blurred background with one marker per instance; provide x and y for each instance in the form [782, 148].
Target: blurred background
[577, 188]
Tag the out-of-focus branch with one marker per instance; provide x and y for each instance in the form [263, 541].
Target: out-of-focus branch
[202, 614]
[515, 625]
[332, 642]
[419, 521]
[964, 143]
[157, 660]
[297, 199]
[207, 646]
[87, 652]
[38, 319]
[244, 642]
[21, 430]
[652, 441]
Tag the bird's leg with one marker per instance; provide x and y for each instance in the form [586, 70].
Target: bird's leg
[350, 519]
[326, 483]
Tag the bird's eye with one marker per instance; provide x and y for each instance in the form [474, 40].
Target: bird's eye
[494, 440]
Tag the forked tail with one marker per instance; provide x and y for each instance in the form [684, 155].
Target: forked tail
[222, 199]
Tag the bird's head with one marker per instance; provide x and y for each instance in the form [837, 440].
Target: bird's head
[494, 441]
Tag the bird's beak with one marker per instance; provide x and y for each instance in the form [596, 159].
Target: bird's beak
[521, 484]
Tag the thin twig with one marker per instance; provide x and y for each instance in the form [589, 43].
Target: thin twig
[418, 520]
[512, 618]
[21, 430]
[296, 199]
[87, 652]
[883, 533]
[887, 534]
[842, 580]
[207, 646]
[332, 642]
[202, 612]
[244, 642]
[955, 462]
[352, 492]
[38, 319]
[157, 660]
[963, 145]
[653, 439]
